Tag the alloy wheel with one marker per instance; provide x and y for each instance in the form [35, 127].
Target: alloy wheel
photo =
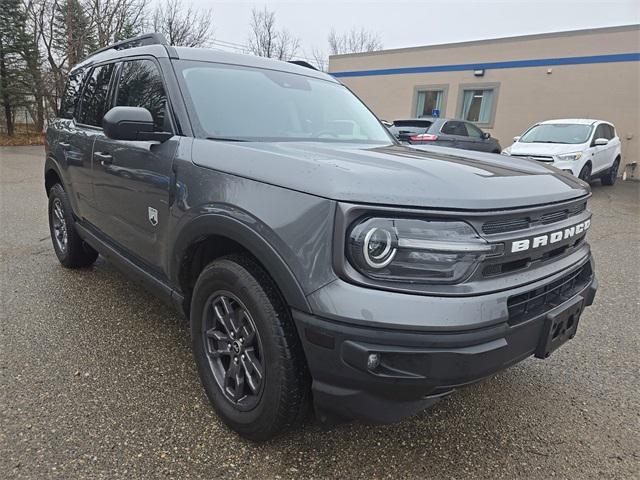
[60, 234]
[614, 171]
[585, 173]
[234, 350]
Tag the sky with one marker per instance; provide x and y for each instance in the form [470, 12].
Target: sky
[407, 23]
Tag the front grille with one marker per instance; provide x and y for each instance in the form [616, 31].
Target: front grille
[540, 158]
[563, 214]
[535, 302]
[501, 226]
[513, 224]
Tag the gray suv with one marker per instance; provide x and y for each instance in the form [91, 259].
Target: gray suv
[444, 132]
[319, 262]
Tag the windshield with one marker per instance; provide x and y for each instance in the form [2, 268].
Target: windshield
[250, 104]
[557, 133]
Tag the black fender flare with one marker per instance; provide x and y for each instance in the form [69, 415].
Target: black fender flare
[51, 164]
[224, 225]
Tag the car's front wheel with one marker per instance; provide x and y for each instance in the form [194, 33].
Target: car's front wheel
[585, 173]
[71, 250]
[610, 177]
[247, 350]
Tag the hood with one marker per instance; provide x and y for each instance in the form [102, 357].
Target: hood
[544, 149]
[434, 177]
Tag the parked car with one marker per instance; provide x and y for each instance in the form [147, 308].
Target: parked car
[317, 260]
[444, 132]
[586, 148]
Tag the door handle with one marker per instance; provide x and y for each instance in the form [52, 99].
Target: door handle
[64, 145]
[105, 158]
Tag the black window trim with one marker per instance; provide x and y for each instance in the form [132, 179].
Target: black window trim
[116, 85]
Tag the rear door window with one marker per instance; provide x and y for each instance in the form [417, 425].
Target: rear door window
[95, 96]
[71, 94]
[141, 85]
[454, 128]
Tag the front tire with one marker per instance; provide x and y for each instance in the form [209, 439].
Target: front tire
[246, 348]
[610, 177]
[71, 250]
[585, 173]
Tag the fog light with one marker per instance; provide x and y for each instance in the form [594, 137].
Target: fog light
[373, 361]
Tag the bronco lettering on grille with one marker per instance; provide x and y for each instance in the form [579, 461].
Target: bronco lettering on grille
[549, 238]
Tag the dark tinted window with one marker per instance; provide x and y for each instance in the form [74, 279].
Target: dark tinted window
[71, 94]
[412, 123]
[473, 131]
[95, 96]
[600, 132]
[454, 128]
[141, 86]
[608, 129]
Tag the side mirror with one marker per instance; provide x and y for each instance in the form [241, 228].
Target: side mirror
[131, 123]
[515, 139]
[486, 135]
[600, 141]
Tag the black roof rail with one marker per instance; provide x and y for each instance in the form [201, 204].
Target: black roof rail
[302, 63]
[139, 41]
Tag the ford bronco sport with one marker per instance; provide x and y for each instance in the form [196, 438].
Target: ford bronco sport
[319, 261]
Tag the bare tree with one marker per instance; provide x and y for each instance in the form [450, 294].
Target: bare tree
[354, 41]
[187, 27]
[319, 59]
[115, 20]
[266, 41]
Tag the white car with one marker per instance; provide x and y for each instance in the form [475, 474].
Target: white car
[586, 148]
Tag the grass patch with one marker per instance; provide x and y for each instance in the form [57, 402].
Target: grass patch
[23, 135]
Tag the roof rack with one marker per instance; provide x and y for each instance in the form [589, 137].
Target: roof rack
[302, 63]
[139, 41]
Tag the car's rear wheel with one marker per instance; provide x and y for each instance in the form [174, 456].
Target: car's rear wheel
[585, 173]
[247, 350]
[71, 250]
[610, 177]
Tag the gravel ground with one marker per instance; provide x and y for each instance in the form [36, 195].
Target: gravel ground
[97, 380]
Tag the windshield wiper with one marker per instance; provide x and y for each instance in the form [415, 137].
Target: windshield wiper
[227, 139]
[547, 141]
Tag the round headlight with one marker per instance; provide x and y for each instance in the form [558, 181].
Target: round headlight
[379, 247]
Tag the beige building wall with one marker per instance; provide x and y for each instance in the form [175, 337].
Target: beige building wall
[525, 95]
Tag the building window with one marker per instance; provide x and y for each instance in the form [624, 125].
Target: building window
[477, 104]
[428, 101]
[427, 98]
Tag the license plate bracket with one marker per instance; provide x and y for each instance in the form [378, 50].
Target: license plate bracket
[559, 327]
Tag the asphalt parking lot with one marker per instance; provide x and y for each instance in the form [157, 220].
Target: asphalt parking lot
[97, 380]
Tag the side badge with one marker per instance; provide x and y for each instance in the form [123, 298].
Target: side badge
[153, 216]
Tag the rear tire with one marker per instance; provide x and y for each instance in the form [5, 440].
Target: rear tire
[610, 177]
[240, 325]
[71, 250]
[585, 173]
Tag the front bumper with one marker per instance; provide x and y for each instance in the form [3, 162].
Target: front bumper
[418, 366]
[569, 166]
